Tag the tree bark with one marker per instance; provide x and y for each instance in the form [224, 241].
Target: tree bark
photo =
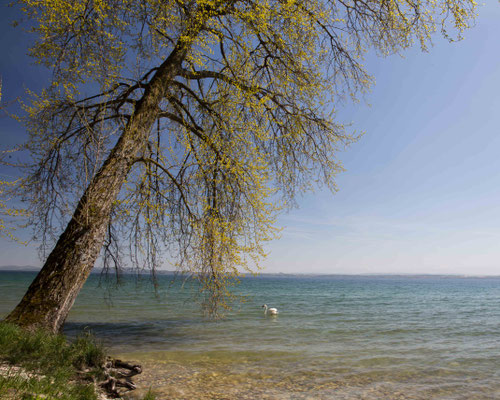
[49, 298]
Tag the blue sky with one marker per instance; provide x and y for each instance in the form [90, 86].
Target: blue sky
[421, 191]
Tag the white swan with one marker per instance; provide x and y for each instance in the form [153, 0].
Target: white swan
[271, 311]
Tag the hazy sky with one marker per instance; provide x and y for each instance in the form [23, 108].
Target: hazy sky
[421, 191]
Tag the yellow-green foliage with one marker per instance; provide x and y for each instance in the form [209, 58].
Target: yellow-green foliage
[8, 215]
[247, 121]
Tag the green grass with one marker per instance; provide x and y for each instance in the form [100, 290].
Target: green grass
[149, 395]
[64, 370]
[55, 361]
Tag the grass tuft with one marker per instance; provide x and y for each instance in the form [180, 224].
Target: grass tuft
[39, 365]
[149, 395]
[51, 362]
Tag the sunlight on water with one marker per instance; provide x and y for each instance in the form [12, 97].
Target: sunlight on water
[335, 337]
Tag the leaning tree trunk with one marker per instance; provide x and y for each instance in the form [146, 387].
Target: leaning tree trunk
[51, 295]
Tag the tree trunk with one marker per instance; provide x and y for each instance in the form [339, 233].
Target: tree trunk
[49, 298]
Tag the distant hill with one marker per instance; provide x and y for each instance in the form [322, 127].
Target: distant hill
[126, 271]
[19, 268]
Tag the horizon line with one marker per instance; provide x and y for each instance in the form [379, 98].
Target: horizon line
[29, 268]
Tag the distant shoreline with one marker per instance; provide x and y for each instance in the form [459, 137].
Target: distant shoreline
[27, 268]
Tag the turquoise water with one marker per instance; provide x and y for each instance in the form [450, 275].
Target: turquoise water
[334, 338]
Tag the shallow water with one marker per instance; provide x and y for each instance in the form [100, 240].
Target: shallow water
[334, 338]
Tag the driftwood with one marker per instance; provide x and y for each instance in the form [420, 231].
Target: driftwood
[118, 376]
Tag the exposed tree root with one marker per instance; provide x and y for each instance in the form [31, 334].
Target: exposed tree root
[118, 376]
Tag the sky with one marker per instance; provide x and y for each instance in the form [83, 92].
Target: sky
[421, 189]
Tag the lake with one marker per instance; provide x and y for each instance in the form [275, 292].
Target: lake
[336, 337]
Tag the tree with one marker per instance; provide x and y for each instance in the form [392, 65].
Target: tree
[187, 125]
[7, 213]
